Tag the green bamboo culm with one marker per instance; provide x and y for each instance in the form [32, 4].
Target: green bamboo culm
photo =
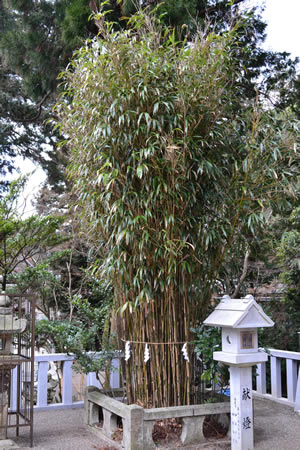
[164, 159]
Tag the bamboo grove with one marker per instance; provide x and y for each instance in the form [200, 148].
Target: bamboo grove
[170, 167]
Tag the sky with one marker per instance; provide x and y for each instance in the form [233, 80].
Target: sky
[36, 179]
[283, 34]
[283, 31]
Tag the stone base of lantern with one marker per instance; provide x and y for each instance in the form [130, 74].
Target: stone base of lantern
[241, 359]
[3, 415]
[241, 405]
[16, 313]
[7, 363]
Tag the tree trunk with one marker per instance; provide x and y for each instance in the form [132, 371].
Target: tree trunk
[4, 281]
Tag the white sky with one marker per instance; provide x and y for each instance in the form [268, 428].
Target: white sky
[36, 178]
[283, 34]
[283, 31]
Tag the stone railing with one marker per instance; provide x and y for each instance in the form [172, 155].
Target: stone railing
[138, 422]
[292, 363]
[42, 368]
[273, 392]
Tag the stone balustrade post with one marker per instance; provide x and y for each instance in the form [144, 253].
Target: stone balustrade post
[67, 383]
[91, 410]
[276, 377]
[192, 430]
[291, 375]
[261, 378]
[14, 388]
[148, 429]
[133, 428]
[109, 423]
[297, 399]
[42, 390]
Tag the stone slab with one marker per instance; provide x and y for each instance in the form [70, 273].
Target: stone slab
[109, 403]
[211, 408]
[166, 413]
[186, 411]
[247, 359]
[10, 324]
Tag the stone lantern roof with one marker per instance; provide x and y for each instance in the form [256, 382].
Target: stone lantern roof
[238, 313]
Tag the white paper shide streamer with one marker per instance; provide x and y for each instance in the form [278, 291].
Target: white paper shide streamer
[147, 353]
[127, 350]
[185, 353]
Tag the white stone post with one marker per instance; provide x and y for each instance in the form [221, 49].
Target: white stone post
[241, 405]
[67, 383]
[42, 392]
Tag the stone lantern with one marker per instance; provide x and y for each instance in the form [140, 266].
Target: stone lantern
[239, 320]
[9, 325]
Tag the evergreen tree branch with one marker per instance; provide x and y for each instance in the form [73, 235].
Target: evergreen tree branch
[212, 9]
[39, 108]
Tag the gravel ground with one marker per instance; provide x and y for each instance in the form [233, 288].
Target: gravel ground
[60, 429]
[277, 427]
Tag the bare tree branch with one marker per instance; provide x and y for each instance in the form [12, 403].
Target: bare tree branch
[243, 276]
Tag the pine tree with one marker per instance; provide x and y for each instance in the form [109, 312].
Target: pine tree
[38, 37]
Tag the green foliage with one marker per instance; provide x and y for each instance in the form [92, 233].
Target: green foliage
[76, 26]
[286, 316]
[55, 334]
[57, 279]
[100, 292]
[173, 12]
[285, 311]
[23, 239]
[207, 341]
[93, 322]
[289, 248]
[57, 270]
[157, 152]
[37, 39]
[46, 284]
[289, 252]
[83, 336]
